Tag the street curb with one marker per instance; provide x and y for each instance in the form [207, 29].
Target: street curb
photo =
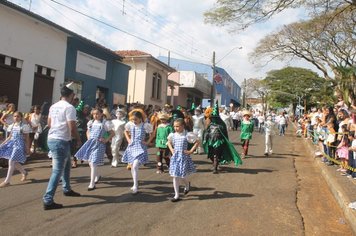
[336, 188]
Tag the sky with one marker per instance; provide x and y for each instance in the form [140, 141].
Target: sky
[159, 26]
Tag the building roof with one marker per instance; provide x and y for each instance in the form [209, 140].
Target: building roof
[143, 55]
[50, 23]
[132, 53]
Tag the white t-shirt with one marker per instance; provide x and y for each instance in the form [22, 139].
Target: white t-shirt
[61, 113]
[353, 144]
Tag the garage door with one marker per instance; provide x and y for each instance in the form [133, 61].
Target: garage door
[42, 89]
[10, 83]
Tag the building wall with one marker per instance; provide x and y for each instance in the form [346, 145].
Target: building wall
[151, 69]
[223, 94]
[140, 82]
[35, 43]
[137, 81]
[116, 76]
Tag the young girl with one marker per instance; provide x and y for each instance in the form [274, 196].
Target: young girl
[246, 132]
[99, 133]
[181, 163]
[136, 151]
[342, 149]
[7, 117]
[16, 147]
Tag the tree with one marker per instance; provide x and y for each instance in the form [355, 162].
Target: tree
[288, 84]
[331, 48]
[256, 88]
[243, 13]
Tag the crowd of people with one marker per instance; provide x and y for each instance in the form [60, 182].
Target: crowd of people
[333, 130]
[71, 131]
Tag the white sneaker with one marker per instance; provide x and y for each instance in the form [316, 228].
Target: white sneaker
[134, 190]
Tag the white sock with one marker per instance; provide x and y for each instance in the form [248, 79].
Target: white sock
[93, 174]
[10, 171]
[134, 173]
[185, 181]
[176, 187]
[20, 168]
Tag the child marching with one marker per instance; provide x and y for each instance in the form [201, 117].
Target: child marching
[268, 125]
[216, 142]
[198, 126]
[246, 132]
[181, 164]
[136, 152]
[15, 148]
[162, 132]
[117, 140]
[99, 133]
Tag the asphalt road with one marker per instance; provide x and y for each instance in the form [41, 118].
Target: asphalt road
[283, 194]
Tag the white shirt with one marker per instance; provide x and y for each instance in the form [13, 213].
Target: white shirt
[146, 126]
[282, 120]
[16, 126]
[268, 127]
[61, 113]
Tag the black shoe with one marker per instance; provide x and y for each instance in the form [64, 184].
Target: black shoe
[215, 172]
[91, 189]
[71, 193]
[266, 154]
[186, 190]
[52, 206]
[175, 199]
[97, 181]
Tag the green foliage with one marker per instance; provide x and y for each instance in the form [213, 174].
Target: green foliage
[290, 84]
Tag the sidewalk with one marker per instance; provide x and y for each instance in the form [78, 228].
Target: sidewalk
[343, 188]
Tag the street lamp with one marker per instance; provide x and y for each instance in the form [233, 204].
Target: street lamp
[212, 92]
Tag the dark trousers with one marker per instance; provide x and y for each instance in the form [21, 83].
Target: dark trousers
[215, 154]
[163, 153]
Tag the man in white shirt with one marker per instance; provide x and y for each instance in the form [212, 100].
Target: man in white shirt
[62, 124]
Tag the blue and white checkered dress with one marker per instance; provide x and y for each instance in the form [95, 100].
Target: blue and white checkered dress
[93, 150]
[136, 150]
[181, 164]
[15, 148]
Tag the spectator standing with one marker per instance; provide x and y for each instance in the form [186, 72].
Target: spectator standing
[62, 127]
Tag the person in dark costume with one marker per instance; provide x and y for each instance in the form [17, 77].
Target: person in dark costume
[216, 143]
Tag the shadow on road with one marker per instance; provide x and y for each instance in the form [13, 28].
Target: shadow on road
[217, 195]
[244, 171]
[269, 157]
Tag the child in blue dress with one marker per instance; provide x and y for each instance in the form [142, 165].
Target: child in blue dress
[136, 152]
[99, 133]
[16, 148]
[181, 164]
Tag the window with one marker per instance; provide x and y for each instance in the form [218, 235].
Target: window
[156, 86]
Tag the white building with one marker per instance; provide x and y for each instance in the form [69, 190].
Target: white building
[32, 57]
[148, 78]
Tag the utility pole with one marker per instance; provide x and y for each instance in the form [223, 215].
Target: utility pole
[212, 92]
[244, 95]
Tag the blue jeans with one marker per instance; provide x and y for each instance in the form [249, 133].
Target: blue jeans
[61, 166]
[282, 129]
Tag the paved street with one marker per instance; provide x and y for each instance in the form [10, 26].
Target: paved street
[283, 194]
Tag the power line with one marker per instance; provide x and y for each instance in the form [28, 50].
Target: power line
[149, 17]
[118, 29]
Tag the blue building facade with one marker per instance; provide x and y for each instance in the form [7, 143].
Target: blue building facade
[227, 90]
[97, 72]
